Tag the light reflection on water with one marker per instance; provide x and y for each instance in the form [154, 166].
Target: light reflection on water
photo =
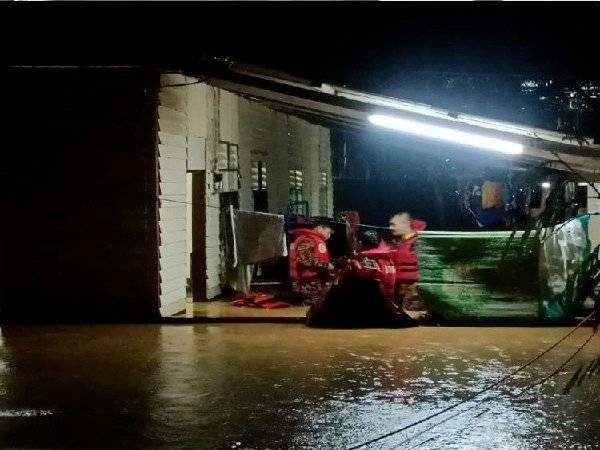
[286, 386]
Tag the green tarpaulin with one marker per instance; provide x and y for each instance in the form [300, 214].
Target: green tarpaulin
[501, 276]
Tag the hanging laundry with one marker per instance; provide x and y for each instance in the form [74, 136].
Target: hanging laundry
[256, 236]
[250, 238]
[488, 218]
[491, 195]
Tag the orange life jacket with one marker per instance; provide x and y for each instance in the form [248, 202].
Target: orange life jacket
[298, 271]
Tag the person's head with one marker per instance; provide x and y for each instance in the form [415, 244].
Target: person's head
[369, 239]
[400, 224]
[325, 230]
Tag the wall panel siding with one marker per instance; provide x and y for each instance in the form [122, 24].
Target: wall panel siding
[172, 168]
[173, 98]
[172, 152]
[167, 189]
[284, 142]
[173, 140]
[212, 229]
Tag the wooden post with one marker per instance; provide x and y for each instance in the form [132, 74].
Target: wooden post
[198, 274]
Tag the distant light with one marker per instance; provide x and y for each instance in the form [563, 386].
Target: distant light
[543, 98]
[546, 185]
[571, 94]
[529, 84]
[447, 134]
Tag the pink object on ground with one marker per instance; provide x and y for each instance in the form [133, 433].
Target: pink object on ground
[258, 300]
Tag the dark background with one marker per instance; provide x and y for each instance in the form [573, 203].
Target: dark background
[521, 62]
[470, 57]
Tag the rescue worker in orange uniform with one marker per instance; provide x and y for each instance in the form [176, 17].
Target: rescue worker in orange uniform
[310, 266]
[404, 236]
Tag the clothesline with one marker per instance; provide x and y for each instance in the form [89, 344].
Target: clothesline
[358, 225]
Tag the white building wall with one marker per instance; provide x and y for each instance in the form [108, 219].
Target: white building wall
[283, 142]
[193, 120]
[172, 156]
[325, 165]
[213, 243]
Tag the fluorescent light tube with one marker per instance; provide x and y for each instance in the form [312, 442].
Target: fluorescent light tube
[446, 134]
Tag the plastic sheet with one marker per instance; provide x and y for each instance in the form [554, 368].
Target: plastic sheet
[491, 277]
[563, 253]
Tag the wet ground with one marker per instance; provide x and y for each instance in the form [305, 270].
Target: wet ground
[271, 386]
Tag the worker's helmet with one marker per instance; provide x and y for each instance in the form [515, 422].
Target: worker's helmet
[370, 238]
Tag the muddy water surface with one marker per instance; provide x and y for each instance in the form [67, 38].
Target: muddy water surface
[263, 386]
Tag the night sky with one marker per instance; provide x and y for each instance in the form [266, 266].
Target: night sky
[363, 45]
[406, 50]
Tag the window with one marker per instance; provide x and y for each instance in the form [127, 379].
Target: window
[227, 156]
[295, 177]
[259, 175]
[323, 194]
[259, 186]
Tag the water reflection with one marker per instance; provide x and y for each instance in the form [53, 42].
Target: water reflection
[286, 386]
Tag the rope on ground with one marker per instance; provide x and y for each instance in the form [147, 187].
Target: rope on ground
[561, 366]
[526, 389]
[475, 395]
[443, 421]
[420, 433]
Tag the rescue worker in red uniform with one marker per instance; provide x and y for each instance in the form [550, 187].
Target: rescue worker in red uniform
[375, 262]
[363, 294]
[310, 266]
[404, 236]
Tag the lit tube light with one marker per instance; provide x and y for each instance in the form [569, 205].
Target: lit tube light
[447, 134]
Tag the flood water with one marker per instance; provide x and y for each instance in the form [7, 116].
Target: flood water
[259, 386]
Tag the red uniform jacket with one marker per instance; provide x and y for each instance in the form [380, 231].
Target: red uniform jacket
[305, 272]
[377, 264]
[404, 256]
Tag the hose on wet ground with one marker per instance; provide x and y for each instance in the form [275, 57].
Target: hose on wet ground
[484, 389]
[514, 396]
